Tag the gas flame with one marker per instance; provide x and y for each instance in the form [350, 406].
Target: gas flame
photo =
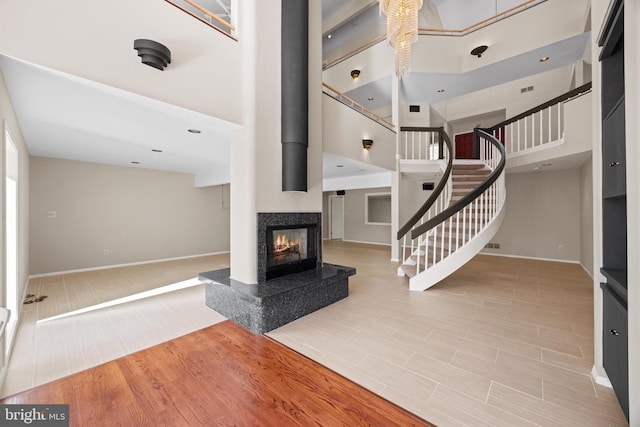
[282, 243]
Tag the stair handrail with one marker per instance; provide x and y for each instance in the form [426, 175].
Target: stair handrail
[441, 185]
[470, 197]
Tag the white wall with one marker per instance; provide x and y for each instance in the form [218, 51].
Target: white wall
[355, 229]
[9, 121]
[343, 130]
[542, 213]
[94, 40]
[136, 214]
[508, 97]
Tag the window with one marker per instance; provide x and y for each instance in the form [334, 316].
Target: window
[377, 208]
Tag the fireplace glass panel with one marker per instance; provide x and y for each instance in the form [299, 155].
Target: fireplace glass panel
[289, 245]
[290, 249]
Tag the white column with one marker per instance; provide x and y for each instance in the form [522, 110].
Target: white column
[395, 180]
[256, 164]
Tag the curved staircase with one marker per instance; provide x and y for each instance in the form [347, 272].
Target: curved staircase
[473, 207]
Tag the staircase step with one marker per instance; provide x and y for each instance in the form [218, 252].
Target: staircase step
[467, 178]
[466, 184]
[467, 166]
[409, 270]
[472, 172]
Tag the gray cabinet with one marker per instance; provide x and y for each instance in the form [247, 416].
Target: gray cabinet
[614, 205]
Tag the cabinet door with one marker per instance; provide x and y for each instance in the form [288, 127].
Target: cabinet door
[613, 153]
[615, 346]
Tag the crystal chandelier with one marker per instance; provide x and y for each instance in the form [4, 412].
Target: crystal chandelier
[402, 29]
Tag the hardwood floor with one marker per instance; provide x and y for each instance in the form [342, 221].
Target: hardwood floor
[502, 342]
[222, 375]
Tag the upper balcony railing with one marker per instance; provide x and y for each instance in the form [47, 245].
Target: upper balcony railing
[378, 35]
[498, 16]
[215, 13]
[339, 96]
[537, 127]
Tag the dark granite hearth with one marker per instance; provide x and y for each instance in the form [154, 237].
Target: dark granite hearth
[263, 307]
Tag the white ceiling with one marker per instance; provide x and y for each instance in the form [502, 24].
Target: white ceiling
[66, 117]
[63, 116]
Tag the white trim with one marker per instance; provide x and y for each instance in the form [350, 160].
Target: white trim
[331, 199]
[367, 196]
[585, 270]
[567, 261]
[367, 243]
[600, 379]
[106, 267]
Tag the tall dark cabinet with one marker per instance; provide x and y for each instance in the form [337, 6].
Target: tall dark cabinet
[614, 205]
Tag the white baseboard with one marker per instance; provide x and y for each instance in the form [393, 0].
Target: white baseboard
[566, 261]
[366, 243]
[600, 379]
[586, 271]
[105, 267]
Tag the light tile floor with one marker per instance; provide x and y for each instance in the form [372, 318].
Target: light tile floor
[503, 341]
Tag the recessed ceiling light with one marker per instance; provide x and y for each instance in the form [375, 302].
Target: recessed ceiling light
[544, 59]
[535, 169]
[329, 36]
[194, 130]
[440, 90]
[339, 166]
[136, 163]
[360, 170]
[370, 98]
[155, 150]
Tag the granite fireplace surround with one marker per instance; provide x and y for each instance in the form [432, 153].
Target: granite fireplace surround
[266, 305]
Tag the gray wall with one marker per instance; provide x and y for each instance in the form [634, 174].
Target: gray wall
[355, 229]
[543, 211]
[136, 214]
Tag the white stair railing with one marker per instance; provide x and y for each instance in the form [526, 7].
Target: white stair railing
[454, 227]
[425, 144]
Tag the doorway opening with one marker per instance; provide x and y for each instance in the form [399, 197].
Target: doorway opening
[336, 217]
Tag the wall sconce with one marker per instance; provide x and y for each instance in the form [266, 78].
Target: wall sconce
[152, 53]
[367, 144]
[355, 74]
[478, 51]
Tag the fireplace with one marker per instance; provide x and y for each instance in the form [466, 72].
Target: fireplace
[290, 249]
[292, 280]
[288, 243]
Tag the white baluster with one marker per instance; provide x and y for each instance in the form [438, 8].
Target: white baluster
[560, 123]
[549, 112]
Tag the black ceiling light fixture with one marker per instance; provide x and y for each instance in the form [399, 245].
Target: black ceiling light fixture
[367, 144]
[355, 74]
[479, 50]
[152, 53]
